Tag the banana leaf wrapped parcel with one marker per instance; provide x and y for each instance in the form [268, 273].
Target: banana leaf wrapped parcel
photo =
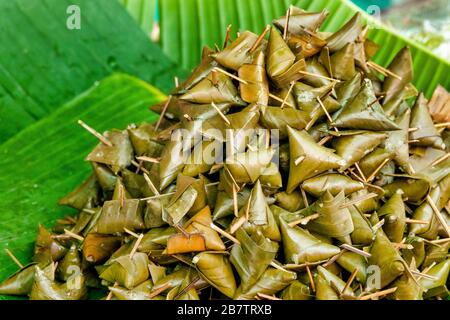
[288, 166]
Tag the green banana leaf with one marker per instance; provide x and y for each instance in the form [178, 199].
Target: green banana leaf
[44, 63]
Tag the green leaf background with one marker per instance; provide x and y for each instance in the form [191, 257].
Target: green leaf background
[43, 65]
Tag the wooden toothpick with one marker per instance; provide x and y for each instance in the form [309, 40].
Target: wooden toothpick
[305, 198]
[438, 215]
[375, 172]
[350, 280]
[277, 266]
[286, 25]
[304, 220]
[324, 140]
[161, 289]
[131, 233]
[441, 125]
[266, 296]
[13, 258]
[258, 41]
[360, 172]
[382, 70]
[378, 225]
[306, 73]
[413, 221]
[230, 75]
[324, 109]
[163, 112]
[274, 97]
[235, 226]
[136, 245]
[357, 200]
[73, 235]
[224, 233]
[227, 36]
[441, 159]
[356, 250]
[378, 294]
[287, 94]
[150, 184]
[95, 133]
[235, 202]
[221, 114]
[299, 160]
[148, 159]
[311, 279]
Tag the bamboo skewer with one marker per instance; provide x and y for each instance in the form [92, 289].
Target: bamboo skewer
[440, 241]
[247, 210]
[305, 198]
[277, 266]
[131, 233]
[110, 294]
[299, 160]
[163, 112]
[306, 73]
[357, 200]
[227, 36]
[235, 226]
[378, 294]
[360, 172]
[441, 159]
[161, 289]
[423, 275]
[437, 126]
[230, 75]
[378, 169]
[235, 202]
[266, 296]
[356, 250]
[221, 114]
[438, 215]
[382, 70]
[286, 25]
[224, 233]
[96, 134]
[13, 258]
[375, 101]
[378, 225]
[280, 100]
[324, 140]
[311, 279]
[350, 280]
[287, 94]
[334, 258]
[304, 220]
[136, 245]
[73, 235]
[324, 109]
[148, 159]
[413, 221]
[260, 38]
[150, 184]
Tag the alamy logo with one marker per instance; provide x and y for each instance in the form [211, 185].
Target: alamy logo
[74, 19]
